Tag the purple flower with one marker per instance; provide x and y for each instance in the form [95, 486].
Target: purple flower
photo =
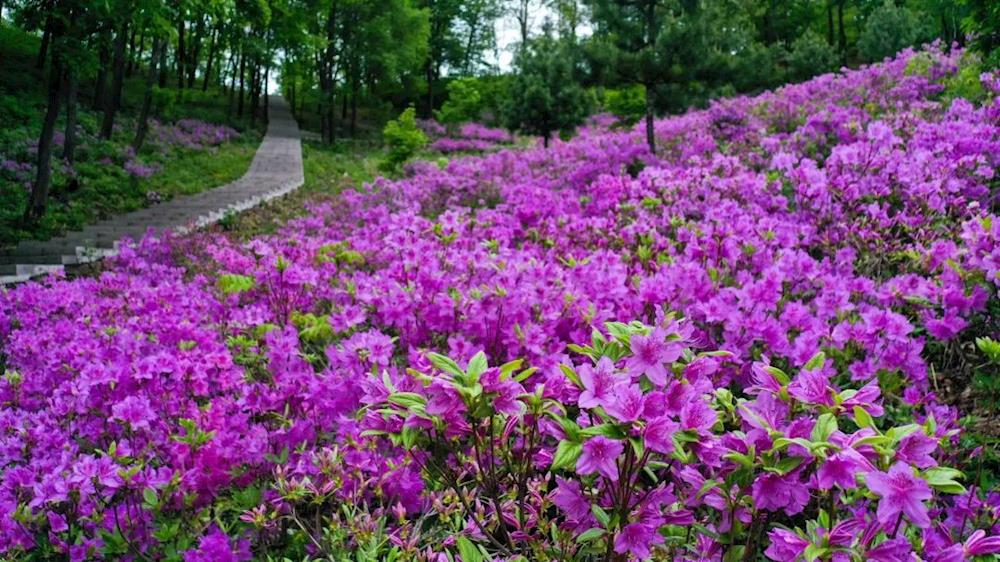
[600, 455]
[812, 387]
[916, 449]
[599, 382]
[978, 544]
[785, 546]
[626, 403]
[652, 356]
[636, 539]
[215, 546]
[841, 469]
[891, 550]
[136, 411]
[658, 435]
[773, 492]
[568, 497]
[901, 492]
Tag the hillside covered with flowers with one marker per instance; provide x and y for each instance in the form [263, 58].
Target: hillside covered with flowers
[747, 346]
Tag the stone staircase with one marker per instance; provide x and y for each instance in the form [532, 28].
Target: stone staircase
[276, 170]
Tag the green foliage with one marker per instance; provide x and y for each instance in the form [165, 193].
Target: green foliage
[965, 84]
[809, 55]
[465, 102]
[546, 96]
[627, 103]
[983, 21]
[889, 29]
[403, 138]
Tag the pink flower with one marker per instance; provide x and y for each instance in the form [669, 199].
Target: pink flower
[652, 356]
[901, 492]
[600, 455]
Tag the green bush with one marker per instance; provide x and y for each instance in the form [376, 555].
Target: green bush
[628, 104]
[889, 29]
[810, 55]
[403, 138]
[465, 102]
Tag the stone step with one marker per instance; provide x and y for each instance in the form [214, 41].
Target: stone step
[275, 170]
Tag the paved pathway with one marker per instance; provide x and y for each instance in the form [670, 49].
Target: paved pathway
[276, 170]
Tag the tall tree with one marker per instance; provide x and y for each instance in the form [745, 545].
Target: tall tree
[659, 43]
[546, 96]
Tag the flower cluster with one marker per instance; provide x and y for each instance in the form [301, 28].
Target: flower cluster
[468, 137]
[403, 373]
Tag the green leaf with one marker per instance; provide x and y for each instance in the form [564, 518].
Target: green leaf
[566, 455]
[825, 426]
[814, 552]
[231, 284]
[778, 374]
[783, 442]
[785, 465]
[862, 418]
[149, 497]
[407, 399]
[609, 430]
[571, 374]
[445, 364]
[816, 362]
[601, 515]
[477, 366]
[944, 479]
[591, 534]
[467, 550]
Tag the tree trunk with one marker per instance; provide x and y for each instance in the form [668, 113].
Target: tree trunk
[267, 72]
[162, 82]
[69, 141]
[829, 22]
[254, 92]
[243, 68]
[43, 180]
[181, 53]
[211, 57]
[147, 99]
[43, 49]
[130, 68]
[101, 82]
[355, 91]
[840, 25]
[430, 88]
[232, 87]
[118, 77]
[196, 41]
[650, 137]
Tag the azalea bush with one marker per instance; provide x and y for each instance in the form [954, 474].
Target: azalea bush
[614, 449]
[757, 343]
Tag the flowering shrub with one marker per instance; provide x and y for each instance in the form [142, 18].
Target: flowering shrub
[404, 375]
[468, 137]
